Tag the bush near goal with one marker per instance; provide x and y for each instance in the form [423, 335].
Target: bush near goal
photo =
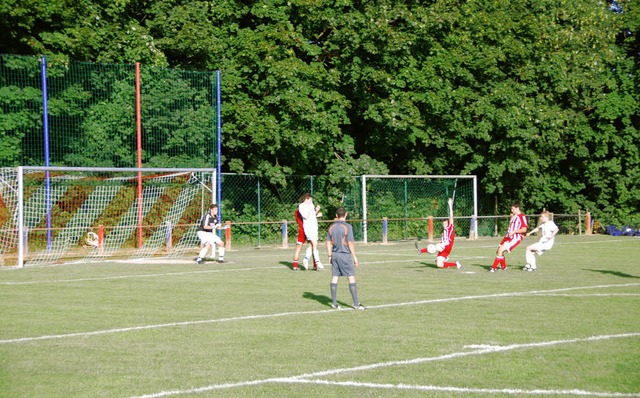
[64, 214]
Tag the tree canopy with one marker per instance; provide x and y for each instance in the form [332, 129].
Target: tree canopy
[538, 98]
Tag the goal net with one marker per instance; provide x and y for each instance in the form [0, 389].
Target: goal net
[51, 215]
[399, 206]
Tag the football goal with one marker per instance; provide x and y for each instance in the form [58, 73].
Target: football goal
[51, 215]
[403, 206]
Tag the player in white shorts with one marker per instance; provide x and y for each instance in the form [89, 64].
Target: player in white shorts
[309, 213]
[209, 225]
[548, 230]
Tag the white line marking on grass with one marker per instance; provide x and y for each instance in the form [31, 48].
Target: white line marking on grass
[105, 278]
[132, 276]
[588, 295]
[480, 350]
[496, 295]
[508, 391]
[158, 326]
[283, 314]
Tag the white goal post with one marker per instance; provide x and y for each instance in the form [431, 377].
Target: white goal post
[52, 215]
[420, 197]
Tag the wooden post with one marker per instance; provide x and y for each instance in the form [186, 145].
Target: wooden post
[587, 221]
[168, 236]
[100, 239]
[227, 234]
[430, 228]
[579, 222]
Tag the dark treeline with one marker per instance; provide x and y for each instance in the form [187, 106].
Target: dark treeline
[539, 98]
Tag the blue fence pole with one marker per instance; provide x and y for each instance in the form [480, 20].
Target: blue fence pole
[385, 230]
[219, 144]
[285, 234]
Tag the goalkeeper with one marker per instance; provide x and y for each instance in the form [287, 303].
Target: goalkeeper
[548, 231]
[209, 224]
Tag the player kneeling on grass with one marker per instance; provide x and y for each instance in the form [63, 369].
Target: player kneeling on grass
[446, 243]
[548, 230]
[209, 224]
[342, 255]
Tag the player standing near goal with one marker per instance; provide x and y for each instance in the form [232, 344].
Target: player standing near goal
[309, 214]
[209, 224]
[446, 242]
[517, 227]
[548, 230]
[342, 255]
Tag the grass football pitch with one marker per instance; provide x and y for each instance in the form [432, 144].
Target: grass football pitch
[253, 327]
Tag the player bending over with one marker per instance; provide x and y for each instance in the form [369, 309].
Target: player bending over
[443, 248]
[548, 230]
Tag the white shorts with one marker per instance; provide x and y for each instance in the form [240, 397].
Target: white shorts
[311, 230]
[541, 247]
[209, 237]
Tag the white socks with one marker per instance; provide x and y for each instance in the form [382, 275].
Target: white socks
[531, 258]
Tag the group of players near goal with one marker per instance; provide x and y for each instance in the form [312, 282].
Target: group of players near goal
[341, 249]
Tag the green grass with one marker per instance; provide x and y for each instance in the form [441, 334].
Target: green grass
[124, 329]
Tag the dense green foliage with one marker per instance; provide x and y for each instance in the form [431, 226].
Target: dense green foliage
[538, 98]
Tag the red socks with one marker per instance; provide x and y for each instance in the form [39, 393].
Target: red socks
[501, 261]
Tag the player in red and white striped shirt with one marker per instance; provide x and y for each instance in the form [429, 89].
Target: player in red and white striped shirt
[446, 242]
[517, 227]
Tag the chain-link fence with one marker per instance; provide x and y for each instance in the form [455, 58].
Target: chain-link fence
[61, 113]
[396, 207]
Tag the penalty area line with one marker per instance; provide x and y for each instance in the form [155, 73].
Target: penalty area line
[507, 391]
[132, 276]
[479, 350]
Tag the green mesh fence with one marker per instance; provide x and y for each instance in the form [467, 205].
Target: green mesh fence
[20, 111]
[407, 202]
[92, 115]
[257, 208]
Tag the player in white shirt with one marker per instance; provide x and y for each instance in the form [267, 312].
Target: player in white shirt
[309, 213]
[548, 230]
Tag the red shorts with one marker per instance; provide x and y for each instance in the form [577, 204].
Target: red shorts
[445, 253]
[301, 236]
[511, 243]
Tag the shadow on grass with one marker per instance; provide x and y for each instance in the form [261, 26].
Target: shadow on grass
[427, 265]
[289, 265]
[324, 300]
[615, 273]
